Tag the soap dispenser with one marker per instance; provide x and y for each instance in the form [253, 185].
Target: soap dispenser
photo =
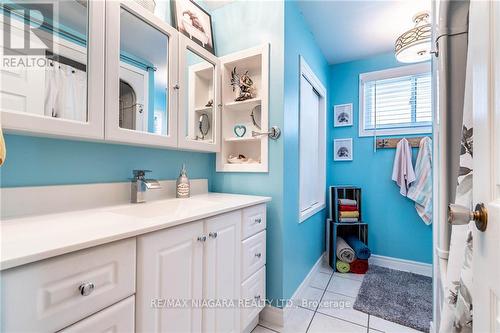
[183, 186]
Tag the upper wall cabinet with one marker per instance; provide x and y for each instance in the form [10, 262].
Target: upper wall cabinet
[46, 73]
[245, 105]
[141, 76]
[199, 100]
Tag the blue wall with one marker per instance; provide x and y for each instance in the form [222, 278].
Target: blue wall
[33, 161]
[395, 229]
[303, 242]
[237, 26]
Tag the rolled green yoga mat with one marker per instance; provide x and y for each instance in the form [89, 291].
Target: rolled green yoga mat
[343, 267]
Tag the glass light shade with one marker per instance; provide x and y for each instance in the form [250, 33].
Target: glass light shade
[415, 44]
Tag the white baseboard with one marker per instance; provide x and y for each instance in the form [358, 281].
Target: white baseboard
[272, 316]
[402, 264]
[276, 316]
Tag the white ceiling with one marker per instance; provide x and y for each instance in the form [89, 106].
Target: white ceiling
[357, 29]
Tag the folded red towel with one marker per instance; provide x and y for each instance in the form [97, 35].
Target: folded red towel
[359, 266]
[345, 208]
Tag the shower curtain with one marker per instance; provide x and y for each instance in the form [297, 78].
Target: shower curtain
[65, 92]
[456, 315]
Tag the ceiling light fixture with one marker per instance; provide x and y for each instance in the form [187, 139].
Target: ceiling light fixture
[415, 44]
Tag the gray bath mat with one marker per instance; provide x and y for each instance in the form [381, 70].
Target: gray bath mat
[401, 297]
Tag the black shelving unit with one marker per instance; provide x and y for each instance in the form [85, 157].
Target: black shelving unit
[336, 228]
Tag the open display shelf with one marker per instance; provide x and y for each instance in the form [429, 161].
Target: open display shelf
[238, 113]
[336, 228]
[201, 91]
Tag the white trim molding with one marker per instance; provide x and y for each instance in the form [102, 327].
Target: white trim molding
[401, 264]
[273, 316]
[308, 74]
[388, 74]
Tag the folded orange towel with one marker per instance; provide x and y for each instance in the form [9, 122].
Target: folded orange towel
[349, 214]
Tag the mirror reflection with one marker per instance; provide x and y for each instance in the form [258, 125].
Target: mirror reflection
[58, 58]
[143, 103]
[199, 75]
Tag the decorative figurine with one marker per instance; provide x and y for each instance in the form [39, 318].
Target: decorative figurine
[244, 83]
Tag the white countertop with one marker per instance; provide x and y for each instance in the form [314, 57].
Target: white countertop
[29, 239]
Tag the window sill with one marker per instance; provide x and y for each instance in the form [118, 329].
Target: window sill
[311, 211]
[396, 131]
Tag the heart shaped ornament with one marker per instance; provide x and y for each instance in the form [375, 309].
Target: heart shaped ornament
[240, 130]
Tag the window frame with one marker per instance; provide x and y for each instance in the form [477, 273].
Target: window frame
[390, 73]
[310, 76]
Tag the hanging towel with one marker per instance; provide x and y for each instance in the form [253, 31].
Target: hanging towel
[402, 171]
[342, 267]
[348, 202]
[3, 150]
[345, 208]
[362, 251]
[344, 251]
[359, 266]
[348, 219]
[421, 190]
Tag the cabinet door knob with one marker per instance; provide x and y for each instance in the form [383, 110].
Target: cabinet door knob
[257, 297]
[202, 238]
[86, 288]
[176, 87]
[258, 220]
[212, 235]
[258, 255]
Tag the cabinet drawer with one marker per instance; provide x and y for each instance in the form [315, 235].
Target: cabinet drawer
[116, 318]
[45, 296]
[253, 291]
[254, 220]
[254, 254]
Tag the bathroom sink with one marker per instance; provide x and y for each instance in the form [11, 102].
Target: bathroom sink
[170, 208]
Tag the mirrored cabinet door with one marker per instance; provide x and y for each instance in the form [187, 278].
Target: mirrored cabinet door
[52, 72]
[141, 80]
[199, 110]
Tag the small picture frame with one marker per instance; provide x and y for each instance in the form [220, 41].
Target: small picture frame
[194, 22]
[342, 115]
[342, 149]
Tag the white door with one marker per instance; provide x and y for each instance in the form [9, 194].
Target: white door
[138, 80]
[309, 152]
[484, 38]
[169, 270]
[222, 272]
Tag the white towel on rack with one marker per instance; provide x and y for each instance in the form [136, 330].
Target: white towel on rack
[402, 171]
[421, 190]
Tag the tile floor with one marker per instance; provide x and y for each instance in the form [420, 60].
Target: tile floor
[325, 306]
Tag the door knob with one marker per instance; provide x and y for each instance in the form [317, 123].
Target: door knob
[458, 215]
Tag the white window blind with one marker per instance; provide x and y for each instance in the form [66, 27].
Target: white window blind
[401, 103]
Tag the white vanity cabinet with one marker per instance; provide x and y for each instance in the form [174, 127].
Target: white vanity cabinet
[49, 295]
[117, 318]
[170, 269]
[200, 271]
[222, 279]
[202, 260]
[60, 92]
[191, 262]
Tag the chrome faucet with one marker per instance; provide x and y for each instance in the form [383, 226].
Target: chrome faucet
[140, 184]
